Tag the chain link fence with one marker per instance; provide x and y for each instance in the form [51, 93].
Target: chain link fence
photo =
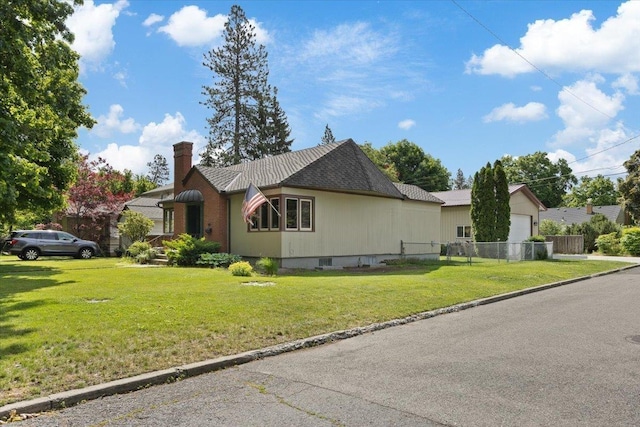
[507, 251]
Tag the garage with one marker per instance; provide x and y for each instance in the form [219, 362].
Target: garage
[520, 229]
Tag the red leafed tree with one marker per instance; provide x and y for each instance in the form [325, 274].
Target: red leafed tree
[96, 198]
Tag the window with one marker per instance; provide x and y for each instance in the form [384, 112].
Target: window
[266, 217]
[167, 225]
[305, 214]
[297, 214]
[275, 216]
[463, 231]
[291, 214]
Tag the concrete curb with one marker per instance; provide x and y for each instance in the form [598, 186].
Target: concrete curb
[126, 385]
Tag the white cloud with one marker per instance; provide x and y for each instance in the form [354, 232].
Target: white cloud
[152, 19]
[113, 122]
[406, 124]
[628, 82]
[570, 44]
[585, 109]
[92, 26]
[156, 138]
[533, 111]
[121, 77]
[344, 105]
[190, 26]
[356, 43]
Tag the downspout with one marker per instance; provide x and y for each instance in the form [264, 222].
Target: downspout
[229, 225]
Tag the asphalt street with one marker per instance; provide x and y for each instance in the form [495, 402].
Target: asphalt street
[567, 356]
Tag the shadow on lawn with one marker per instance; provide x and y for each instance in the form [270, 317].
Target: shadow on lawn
[416, 269]
[17, 279]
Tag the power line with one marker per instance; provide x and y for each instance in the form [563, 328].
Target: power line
[547, 76]
[534, 66]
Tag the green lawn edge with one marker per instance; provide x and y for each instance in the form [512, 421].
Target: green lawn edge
[68, 324]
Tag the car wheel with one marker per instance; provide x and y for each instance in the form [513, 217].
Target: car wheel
[30, 254]
[86, 253]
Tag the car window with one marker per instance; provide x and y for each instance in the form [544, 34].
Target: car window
[48, 236]
[65, 236]
[30, 235]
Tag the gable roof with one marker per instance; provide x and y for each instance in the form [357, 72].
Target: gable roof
[341, 166]
[413, 192]
[579, 215]
[146, 206]
[463, 197]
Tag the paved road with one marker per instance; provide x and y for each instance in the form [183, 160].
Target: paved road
[567, 356]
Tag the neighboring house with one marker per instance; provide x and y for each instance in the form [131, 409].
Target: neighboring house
[330, 206]
[456, 214]
[148, 207]
[569, 216]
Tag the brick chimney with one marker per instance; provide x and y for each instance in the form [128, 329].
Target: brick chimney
[589, 207]
[182, 154]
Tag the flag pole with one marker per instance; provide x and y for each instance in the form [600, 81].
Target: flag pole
[267, 199]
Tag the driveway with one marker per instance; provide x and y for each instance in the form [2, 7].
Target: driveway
[563, 357]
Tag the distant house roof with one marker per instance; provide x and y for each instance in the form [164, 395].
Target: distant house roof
[159, 192]
[463, 197]
[413, 192]
[341, 166]
[570, 216]
[146, 206]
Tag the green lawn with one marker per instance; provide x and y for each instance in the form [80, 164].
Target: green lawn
[66, 324]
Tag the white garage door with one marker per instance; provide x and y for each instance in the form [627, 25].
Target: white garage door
[520, 228]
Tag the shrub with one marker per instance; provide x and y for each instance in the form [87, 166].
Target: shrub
[241, 268]
[538, 239]
[136, 226]
[137, 248]
[215, 260]
[145, 256]
[630, 240]
[268, 266]
[608, 244]
[186, 250]
[550, 228]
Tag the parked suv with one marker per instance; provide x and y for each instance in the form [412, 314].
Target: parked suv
[30, 244]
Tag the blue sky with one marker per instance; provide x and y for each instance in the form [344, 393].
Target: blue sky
[468, 81]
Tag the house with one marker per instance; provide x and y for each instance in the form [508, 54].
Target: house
[569, 216]
[149, 207]
[329, 205]
[456, 214]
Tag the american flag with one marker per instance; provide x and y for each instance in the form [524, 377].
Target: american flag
[253, 198]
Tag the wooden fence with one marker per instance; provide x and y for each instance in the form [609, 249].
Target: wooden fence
[567, 244]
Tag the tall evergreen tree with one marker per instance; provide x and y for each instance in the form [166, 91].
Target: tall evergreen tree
[328, 137]
[158, 170]
[503, 209]
[630, 187]
[490, 211]
[243, 125]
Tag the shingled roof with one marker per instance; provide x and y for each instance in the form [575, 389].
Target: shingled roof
[463, 197]
[413, 192]
[146, 206]
[341, 166]
[580, 215]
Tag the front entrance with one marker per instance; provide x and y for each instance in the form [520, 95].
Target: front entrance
[194, 220]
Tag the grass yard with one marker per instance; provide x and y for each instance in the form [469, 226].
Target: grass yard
[66, 324]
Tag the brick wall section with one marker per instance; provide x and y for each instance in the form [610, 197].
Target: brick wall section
[214, 212]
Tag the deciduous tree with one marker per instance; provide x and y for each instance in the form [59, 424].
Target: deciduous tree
[92, 202]
[549, 181]
[601, 190]
[415, 167]
[135, 226]
[41, 106]
[630, 186]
